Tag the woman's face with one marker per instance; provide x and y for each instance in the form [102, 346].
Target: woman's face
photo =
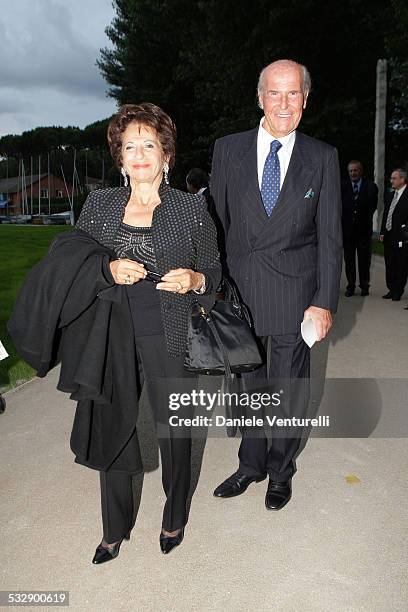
[142, 154]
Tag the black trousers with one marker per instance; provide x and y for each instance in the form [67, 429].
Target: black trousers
[162, 374]
[357, 243]
[287, 364]
[396, 267]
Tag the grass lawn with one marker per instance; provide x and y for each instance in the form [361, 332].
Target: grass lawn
[21, 246]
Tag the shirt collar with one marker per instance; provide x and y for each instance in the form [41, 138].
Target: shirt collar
[267, 138]
[400, 190]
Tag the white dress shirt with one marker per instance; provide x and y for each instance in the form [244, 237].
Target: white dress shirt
[264, 147]
[396, 197]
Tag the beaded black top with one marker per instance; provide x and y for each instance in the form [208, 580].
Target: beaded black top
[136, 243]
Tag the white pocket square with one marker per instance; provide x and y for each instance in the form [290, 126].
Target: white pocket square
[309, 194]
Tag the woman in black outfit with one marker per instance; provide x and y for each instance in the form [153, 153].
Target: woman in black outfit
[142, 142]
[111, 302]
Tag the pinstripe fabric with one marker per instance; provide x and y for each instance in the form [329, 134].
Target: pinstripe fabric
[292, 260]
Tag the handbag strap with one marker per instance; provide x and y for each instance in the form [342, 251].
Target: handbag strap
[230, 291]
[228, 373]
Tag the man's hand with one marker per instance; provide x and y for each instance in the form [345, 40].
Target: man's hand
[322, 319]
[381, 237]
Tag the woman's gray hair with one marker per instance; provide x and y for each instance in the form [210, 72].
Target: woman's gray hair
[306, 80]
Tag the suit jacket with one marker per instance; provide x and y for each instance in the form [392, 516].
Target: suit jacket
[357, 214]
[292, 260]
[183, 235]
[399, 218]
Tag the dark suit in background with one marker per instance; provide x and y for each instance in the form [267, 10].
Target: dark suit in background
[357, 222]
[282, 264]
[395, 245]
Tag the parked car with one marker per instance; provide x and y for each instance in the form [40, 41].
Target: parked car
[21, 219]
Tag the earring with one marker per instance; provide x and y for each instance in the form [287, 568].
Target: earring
[166, 172]
[125, 178]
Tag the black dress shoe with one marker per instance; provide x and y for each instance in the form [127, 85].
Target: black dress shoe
[236, 484]
[104, 554]
[387, 296]
[406, 308]
[278, 494]
[395, 298]
[349, 292]
[167, 543]
[364, 292]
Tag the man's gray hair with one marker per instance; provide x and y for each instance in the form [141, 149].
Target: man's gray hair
[306, 80]
[403, 173]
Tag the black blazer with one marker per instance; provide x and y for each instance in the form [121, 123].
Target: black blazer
[292, 260]
[183, 235]
[358, 214]
[399, 218]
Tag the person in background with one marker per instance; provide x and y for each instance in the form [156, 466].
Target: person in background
[359, 201]
[394, 236]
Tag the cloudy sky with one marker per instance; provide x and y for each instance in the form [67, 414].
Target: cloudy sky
[48, 74]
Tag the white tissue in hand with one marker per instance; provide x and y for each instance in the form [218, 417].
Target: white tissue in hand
[3, 352]
[308, 331]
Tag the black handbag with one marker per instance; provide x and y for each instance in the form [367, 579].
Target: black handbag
[221, 340]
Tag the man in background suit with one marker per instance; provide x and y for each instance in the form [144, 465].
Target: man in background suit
[359, 201]
[277, 193]
[394, 234]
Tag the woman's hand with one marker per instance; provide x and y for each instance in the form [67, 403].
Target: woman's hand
[126, 271]
[181, 280]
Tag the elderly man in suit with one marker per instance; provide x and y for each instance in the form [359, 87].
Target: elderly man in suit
[277, 193]
[394, 234]
[359, 199]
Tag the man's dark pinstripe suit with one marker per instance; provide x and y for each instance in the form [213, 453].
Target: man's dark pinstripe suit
[282, 264]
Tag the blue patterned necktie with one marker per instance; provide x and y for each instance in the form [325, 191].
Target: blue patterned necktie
[270, 186]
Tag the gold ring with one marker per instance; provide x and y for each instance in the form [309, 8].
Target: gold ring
[179, 286]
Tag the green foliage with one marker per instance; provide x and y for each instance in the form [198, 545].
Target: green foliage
[200, 61]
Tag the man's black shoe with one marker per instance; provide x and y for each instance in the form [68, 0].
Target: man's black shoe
[364, 292]
[387, 296]
[349, 292]
[395, 298]
[278, 494]
[236, 484]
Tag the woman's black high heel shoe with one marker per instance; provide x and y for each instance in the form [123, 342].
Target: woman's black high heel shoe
[167, 543]
[104, 554]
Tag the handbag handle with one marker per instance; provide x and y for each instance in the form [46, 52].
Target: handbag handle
[230, 291]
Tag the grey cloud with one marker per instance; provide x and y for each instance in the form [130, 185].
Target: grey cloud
[48, 51]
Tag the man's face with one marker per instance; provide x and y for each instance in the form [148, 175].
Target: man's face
[397, 181]
[282, 99]
[355, 171]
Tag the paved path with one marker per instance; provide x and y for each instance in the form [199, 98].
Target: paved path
[335, 547]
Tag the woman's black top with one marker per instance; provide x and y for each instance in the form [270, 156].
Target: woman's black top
[144, 299]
